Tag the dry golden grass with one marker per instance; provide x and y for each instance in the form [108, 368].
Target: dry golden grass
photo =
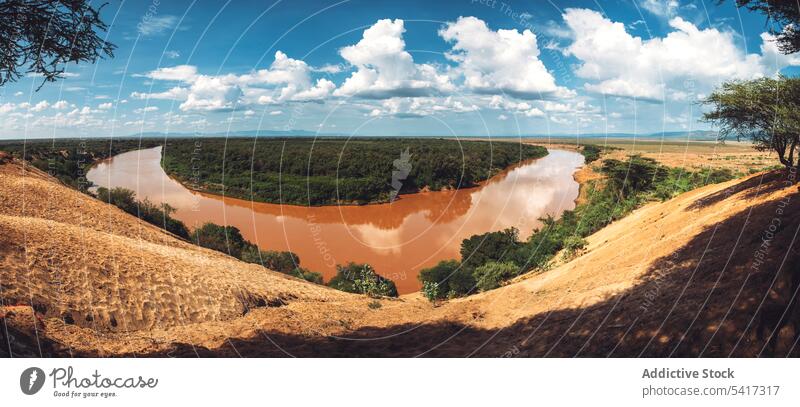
[736, 156]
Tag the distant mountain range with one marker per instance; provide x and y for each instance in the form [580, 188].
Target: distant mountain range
[699, 135]
[240, 133]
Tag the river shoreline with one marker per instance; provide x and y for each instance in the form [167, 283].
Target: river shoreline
[399, 238]
[422, 191]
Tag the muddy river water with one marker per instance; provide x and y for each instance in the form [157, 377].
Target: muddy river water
[398, 239]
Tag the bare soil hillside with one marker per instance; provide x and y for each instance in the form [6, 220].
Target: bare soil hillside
[79, 260]
[712, 272]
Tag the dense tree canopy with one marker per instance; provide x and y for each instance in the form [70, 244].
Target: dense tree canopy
[42, 36]
[764, 111]
[784, 14]
[330, 171]
[70, 159]
[632, 176]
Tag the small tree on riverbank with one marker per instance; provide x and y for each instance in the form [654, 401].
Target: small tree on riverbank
[765, 111]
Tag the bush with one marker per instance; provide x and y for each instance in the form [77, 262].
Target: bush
[448, 279]
[637, 174]
[678, 181]
[284, 262]
[307, 275]
[492, 246]
[572, 244]
[226, 239]
[159, 215]
[490, 275]
[431, 291]
[591, 152]
[362, 279]
[462, 283]
[122, 198]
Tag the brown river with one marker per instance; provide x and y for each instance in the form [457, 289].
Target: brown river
[398, 239]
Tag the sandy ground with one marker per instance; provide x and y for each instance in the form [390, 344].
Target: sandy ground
[689, 276]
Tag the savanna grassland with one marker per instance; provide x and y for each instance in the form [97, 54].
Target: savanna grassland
[733, 155]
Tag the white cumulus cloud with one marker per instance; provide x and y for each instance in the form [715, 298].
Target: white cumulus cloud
[212, 93]
[286, 80]
[182, 73]
[40, 106]
[502, 61]
[384, 69]
[60, 105]
[687, 59]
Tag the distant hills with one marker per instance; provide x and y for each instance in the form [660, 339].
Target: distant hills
[240, 133]
[699, 135]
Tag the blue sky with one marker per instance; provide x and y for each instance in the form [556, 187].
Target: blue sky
[452, 68]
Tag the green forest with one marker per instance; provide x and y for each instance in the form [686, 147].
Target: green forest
[330, 171]
[69, 159]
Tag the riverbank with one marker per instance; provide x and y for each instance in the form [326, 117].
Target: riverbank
[398, 239]
[616, 299]
[337, 171]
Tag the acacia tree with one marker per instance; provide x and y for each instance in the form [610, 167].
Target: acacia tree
[785, 14]
[42, 36]
[764, 111]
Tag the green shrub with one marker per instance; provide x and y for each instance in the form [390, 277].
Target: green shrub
[431, 291]
[226, 239]
[362, 279]
[284, 262]
[307, 275]
[679, 180]
[591, 152]
[635, 175]
[492, 246]
[572, 244]
[462, 283]
[447, 279]
[122, 198]
[490, 275]
[159, 215]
